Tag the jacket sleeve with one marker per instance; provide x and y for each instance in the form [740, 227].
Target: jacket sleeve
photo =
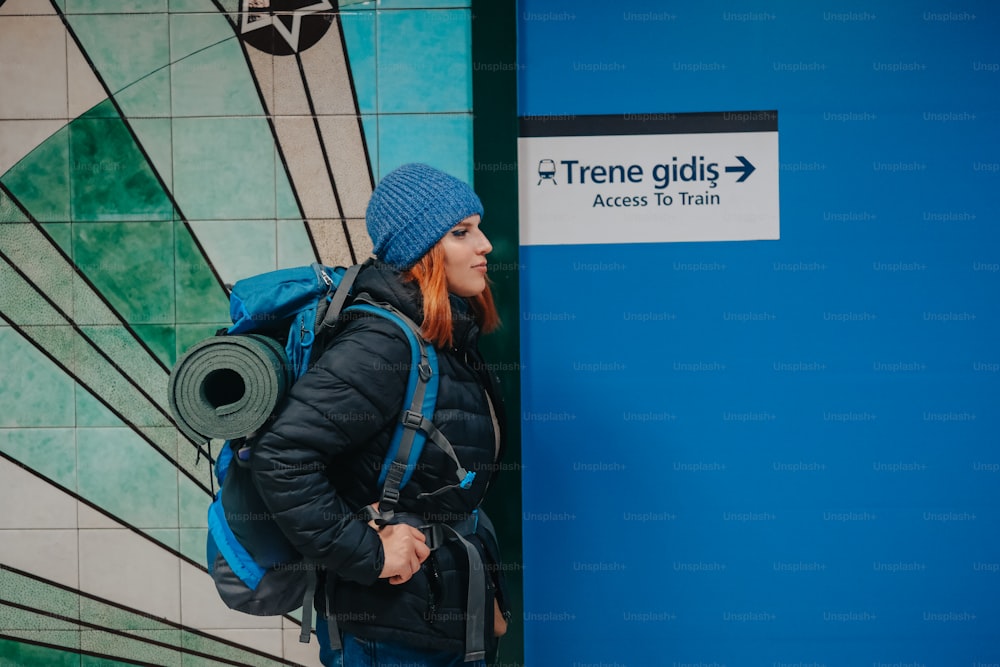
[356, 387]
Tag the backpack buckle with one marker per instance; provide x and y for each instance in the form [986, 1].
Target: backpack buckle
[412, 420]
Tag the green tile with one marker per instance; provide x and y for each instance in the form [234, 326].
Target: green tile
[200, 298]
[40, 261]
[130, 263]
[224, 168]
[124, 475]
[40, 181]
[212, 647]
[61, 234]
[13, 618]
[9, 212]
[111, 178]
[189, 335]
[161, 339]
[111, 644]
[13, 652]
[36, 392]
[51, 452]
[111, 617]
[39, 595]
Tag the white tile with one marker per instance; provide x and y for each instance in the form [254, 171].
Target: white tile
[124, 567]
[50, 554]
[30, 502]
[20, 137]
[84, 89]
[266, 641]
[33, 67]
[87, 517]
[202, 608]
[299, 653]
[22, 7]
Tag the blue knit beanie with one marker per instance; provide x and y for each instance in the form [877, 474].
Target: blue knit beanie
[412, 208]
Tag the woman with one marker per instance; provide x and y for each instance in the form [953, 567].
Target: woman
[317, 467]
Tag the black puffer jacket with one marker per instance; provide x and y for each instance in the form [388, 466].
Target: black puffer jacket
[319, 463]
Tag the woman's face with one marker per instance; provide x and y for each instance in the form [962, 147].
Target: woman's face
[465, 249]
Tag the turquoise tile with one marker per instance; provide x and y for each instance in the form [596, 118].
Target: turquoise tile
[106, 37]
[200, 298]
[202, 7]
[123, 474]
[285, 204]
[203, 77]
[148, 97]
[238, 248]
[36, 392]
[153, 134]
[424, 61]
[51, 452]
[294, 248]
[224, 168]
[120, 6]
[193, 542]
[422, 4]
[359, 36]
[370, 126]
[168, 537]
[441, 140]
[193, 502]
[131, 651]
[90, 412]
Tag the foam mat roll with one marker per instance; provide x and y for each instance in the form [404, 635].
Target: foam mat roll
[227, 386]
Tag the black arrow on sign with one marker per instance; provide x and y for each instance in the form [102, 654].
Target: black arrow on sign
[746, 168]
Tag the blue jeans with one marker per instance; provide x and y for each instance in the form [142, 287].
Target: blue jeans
[359, 652]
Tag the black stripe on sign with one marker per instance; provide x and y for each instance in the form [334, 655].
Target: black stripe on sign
[648, 123]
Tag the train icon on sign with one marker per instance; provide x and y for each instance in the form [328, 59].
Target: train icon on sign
[546, 171]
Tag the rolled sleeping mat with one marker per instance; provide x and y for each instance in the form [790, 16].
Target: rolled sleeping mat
[227, 386]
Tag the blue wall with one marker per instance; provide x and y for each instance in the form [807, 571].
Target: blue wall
[773, 452]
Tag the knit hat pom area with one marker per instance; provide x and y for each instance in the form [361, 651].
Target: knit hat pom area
[412, 207]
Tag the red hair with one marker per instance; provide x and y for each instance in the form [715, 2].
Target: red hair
[430, 277]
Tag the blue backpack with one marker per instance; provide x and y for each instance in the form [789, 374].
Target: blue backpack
[281, 320]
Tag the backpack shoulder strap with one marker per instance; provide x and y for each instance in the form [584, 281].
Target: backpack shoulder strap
[415, 425]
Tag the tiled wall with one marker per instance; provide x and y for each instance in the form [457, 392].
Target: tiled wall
[148, 156]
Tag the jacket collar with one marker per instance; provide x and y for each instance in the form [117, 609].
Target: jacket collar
[383, 282]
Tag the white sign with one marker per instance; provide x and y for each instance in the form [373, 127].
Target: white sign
[648, 188]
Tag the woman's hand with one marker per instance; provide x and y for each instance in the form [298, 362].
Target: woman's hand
[405, 548]
[499, 622]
